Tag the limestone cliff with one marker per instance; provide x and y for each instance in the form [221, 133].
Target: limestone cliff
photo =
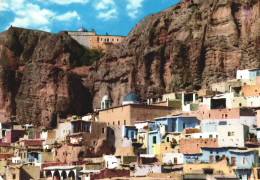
[187, 46]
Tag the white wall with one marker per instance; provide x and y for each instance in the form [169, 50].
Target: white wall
[253, 101]
[204, 135]
[232, 135]
[111, 162]
[243, 74]
[63, 130]
[168, 158]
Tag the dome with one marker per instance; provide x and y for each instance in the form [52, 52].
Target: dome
[82, 29]
[131, 98]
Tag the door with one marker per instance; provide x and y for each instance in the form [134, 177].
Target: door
[249, 176]
[211, 158]
[175, 160]
[196, 160]
[233, 161]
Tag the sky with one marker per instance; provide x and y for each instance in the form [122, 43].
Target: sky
[115, 17]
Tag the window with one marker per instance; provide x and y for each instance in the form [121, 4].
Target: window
[103, 130]
[113, 122]
[184, 125]
[94, 143]
[200, 136]
[14, 176]
[101, 39]
[232, 134]
[107, 39]
[154, 140]
[229, 133]
[210, 136]
[124, 122]
[108, 123]
[240, 104]
[117, 39]
[168, 139]
[217, 158]
[113, 39]
[118, 122]
[244, 160]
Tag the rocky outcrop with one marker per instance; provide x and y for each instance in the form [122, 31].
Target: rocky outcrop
[35, 80]
[187, 46]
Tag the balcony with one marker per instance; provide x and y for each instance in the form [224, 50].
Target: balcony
[252, 142]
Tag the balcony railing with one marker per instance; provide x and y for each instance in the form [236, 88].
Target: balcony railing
[252, 141]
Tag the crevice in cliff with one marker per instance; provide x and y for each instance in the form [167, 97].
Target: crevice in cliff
[202, 60]
[163, 61]
[235, 8]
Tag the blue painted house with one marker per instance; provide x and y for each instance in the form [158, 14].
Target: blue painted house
[177, 123]
[242, 160]
[130, 132]
[170, 124]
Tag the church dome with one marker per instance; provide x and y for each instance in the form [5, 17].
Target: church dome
[82, 29]
[131, 98]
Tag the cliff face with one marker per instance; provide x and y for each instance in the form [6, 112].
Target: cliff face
[36, 84]
[187, 46]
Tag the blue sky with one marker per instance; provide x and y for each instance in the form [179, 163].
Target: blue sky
[116, 17]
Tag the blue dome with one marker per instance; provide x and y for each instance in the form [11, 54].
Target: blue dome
[82, 29]
[131, 97]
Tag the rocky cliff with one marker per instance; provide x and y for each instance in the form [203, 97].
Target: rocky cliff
[36, 85]
[187, 46]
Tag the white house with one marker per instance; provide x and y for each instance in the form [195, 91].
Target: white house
[172, 158]
[232, 135]
[248, 73]
[111, 162]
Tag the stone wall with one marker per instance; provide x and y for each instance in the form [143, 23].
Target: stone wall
[109, 173]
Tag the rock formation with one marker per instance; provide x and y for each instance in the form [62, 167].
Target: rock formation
[35, 80]
[187, 46]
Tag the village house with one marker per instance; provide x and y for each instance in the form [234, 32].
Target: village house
[92, 40]
[248, 73]
[242, 160]
[232, 135]
[87, 132]
[131, 110]
[169, 124]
